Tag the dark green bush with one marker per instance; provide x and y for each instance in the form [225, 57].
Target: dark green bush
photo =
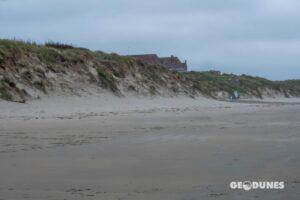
[107, 81]
[58, 45]
[49, 55]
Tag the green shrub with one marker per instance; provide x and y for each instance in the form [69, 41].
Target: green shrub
[58, 45]
[4, 94]
[4, 91]
[49, 55]
[213, 81]
[8, 47]
[107, 81]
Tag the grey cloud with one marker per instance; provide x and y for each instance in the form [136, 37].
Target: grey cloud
[259, 37]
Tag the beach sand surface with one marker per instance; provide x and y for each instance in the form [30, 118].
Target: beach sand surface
[143, 149]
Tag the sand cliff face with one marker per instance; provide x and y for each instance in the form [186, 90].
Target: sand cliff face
[30, 71]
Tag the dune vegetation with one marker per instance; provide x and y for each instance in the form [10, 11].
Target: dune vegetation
[29, 70]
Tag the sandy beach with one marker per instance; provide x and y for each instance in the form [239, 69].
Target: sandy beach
[143, 149]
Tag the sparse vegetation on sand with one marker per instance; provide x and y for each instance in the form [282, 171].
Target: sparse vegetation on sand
[211, 82]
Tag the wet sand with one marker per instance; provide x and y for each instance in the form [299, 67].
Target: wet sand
[185, 153]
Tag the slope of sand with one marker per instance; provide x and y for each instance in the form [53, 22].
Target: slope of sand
[141, 148]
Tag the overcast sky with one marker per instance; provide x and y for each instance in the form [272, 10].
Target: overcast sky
[257, 37]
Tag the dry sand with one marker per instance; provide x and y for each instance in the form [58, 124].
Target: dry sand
[137, 148]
